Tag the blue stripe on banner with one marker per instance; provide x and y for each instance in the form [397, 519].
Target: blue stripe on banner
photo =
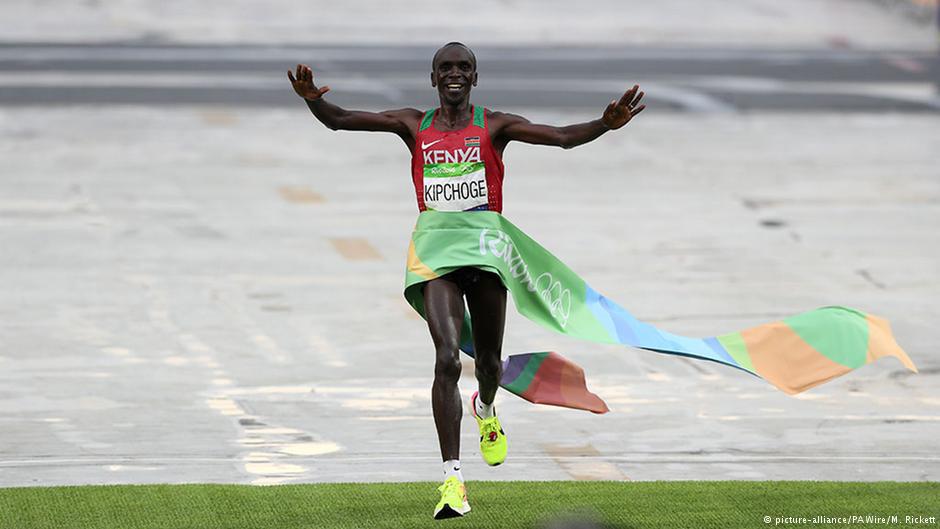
[720, 351]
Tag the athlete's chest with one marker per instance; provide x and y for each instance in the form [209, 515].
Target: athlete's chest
[450, 166]
[435, 147]
[452, 171]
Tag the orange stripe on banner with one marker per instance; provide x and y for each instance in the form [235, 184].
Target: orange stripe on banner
[881, 342]
[546, 387]
[561, 382]
[570, 379]
[415, 266]
[573, 389]
[782, 358]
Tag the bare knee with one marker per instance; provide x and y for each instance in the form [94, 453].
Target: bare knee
[447, 367]
[487, 366]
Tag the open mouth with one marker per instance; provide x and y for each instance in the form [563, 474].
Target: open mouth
[454, 87]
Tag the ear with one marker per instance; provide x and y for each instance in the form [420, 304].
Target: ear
[475, 77]
[433, 81]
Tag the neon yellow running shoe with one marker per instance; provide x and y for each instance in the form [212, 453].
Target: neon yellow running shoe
[492, 438]
[453, 500]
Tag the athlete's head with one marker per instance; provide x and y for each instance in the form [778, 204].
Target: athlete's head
[454, 72]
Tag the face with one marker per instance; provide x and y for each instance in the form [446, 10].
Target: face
[454, 74]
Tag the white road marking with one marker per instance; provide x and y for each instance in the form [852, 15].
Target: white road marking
[397, 54]
[688, 92]
[638, 458]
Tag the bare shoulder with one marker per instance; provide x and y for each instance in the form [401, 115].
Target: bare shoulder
[405, 114]
[503, 118]
[406, 121]
[499, 122]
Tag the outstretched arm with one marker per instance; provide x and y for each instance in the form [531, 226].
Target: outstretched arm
[617, 114]
[338, 118]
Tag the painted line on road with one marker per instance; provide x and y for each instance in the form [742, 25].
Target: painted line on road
[270, 451]
[300, 195]
[323, 350]
[906, 64]
[913, 92]
[424, 457]
[583, 462]
[411, 53]
[688, 92]
[880, 418]
[249, 80]
[355, 249]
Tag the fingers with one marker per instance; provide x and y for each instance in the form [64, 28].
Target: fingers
[324, 90]
[610, 107]
[303, 73]
[627, 96]
[636, 101]
[638, 110]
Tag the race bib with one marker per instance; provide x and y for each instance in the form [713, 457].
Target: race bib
[455, 186]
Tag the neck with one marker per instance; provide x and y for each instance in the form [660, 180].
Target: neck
[451, 115]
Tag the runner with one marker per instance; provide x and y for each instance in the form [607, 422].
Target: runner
[457, 166]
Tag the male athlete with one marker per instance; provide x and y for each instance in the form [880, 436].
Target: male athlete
[456, 165]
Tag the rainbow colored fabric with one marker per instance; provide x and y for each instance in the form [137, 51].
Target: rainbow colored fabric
[794, 354]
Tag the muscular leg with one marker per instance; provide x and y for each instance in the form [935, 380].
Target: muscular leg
[443, 307]
[486, 300]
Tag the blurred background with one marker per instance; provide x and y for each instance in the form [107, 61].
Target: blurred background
[201, 283]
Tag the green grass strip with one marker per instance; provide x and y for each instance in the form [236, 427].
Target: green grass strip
[496, 505]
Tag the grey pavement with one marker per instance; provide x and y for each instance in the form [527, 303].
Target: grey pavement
[200, 283]
[747, 24]
[206, 294]
[701, 80]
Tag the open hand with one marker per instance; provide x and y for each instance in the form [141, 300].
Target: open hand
[618, 113]
[303, 84]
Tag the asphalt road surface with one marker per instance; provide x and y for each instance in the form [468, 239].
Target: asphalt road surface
[200, 283]
[380, 77]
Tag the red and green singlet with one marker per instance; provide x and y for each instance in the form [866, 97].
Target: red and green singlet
[457, 170]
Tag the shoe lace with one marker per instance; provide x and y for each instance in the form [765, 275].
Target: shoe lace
[451, 486]
[489, 426]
